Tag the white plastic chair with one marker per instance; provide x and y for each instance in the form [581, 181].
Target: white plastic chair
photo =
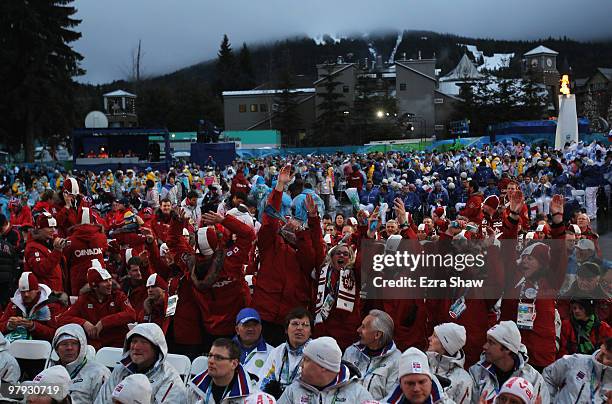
[181, 363]
[31, 349]
[109, 356]
[90, 355]
[580, 196]
[198, 365]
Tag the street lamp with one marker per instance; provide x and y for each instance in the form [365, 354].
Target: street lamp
[380, 113]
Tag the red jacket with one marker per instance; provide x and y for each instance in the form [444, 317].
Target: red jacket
[44, 263]
[23, 218]
[240, 184]
[568, 345]
[160, 224]
[355, 180]
[137, 295]
[115, 313]
[220, 303]
[66, 218]
[283, 281]
[87, 242]
[473, 208]
[540, 341]
[44, 321]
[157, 314]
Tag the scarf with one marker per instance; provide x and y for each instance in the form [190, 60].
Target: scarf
[342, 297]
[583, 329]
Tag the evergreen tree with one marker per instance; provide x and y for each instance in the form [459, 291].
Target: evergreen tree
[245, 65]
[590, 111]
[287, 118]
[37, 64]
[609, 116]
[225, 68]
[331, 123]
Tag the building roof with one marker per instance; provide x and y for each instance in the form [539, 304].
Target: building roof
[414, 71]
[465, 70]
[541, 50]
[267, 92]
[606, 71]
[334, 73]
[119, 93]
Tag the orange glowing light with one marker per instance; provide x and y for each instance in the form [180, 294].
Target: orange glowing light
[565, 85]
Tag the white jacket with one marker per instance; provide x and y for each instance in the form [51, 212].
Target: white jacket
[256, 359]
[346, 389]
[87, 376]
[574, 379]
[437, 396]
[484, 378]
[241, 388]
[193, 213]
[9, 368]
[379, 374]
[281, 359]
[165, 381]
[451, 367]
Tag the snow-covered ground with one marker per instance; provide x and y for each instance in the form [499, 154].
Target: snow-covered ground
[397, 44]
[372, 50]
[320, 38]
[490, 63]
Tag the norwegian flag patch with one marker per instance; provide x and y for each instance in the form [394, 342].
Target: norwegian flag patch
[580, 375]
[416, 367]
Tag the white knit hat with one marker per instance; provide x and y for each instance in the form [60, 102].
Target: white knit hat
[414, 361]
[507, 334]
[452, 337]
[325, 352]
[54, 376]
[260, 398]
[134, 389]
[521, 388]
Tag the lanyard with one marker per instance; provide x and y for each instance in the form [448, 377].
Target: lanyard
[295, 370]
[594, 386]
[209, 392]
[250, 356]
[522, 282]
[78, 369]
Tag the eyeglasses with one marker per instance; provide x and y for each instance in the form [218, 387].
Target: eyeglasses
[218, 358]
[297, 324]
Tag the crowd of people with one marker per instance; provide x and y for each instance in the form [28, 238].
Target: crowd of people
[259, 265]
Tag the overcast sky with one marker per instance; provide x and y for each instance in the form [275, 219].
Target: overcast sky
[179, 33]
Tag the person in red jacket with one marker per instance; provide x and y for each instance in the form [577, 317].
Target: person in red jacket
[32, 311]
[21, 214]
[103, 312]
[287, 258]
[529, 285]
[218, 270]
[43, 253]
[355, 179]
[87, 241]
[160, 223]
[583, 332]
[240, 183]
[472, 210]
[134, 283]
[156, 304]
[67, 215]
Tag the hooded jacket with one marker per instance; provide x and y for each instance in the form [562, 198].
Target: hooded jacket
[451, 367]
[194, 213]
[43, 262]
[242, 386]
[437, 396]
[579, 379]
[485, 379]
[345, 388]
[87, 242]
[378, 373]
[87, 375]
[9, 367]
[42, 313]
[166, 383]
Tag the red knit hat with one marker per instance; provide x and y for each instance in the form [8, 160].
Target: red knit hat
[27, 282]
[440, 211]
[96, 273]
[157, 281]
[539, 251]
[45, 220]
[71, 186]
[492, 201]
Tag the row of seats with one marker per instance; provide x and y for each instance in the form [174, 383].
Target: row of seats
[38, 350]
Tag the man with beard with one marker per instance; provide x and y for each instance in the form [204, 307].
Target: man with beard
[31, 312]
[287, 256]
[104, 313]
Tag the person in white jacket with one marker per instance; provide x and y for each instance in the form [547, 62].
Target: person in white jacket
[417, 384]
[191, 205]
[375, 355]
[503, 357]
[9, 367]
[88, 376]
[254, 350]
[446, 358]
[324, 379]
[134, 389]
[225, 381]
[581, 378]
[145, 351]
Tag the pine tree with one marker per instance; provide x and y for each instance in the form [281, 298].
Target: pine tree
[287, 118]
[37, 65]
[330, 125]
[589, 110]
[609, 117]
[225, 68]
[245, 65]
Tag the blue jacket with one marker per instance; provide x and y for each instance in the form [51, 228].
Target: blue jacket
[299, 203]
[412, 201]
[483, 174]
[591, 176]
[366, 197]
[434, 196]
[488, 191]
